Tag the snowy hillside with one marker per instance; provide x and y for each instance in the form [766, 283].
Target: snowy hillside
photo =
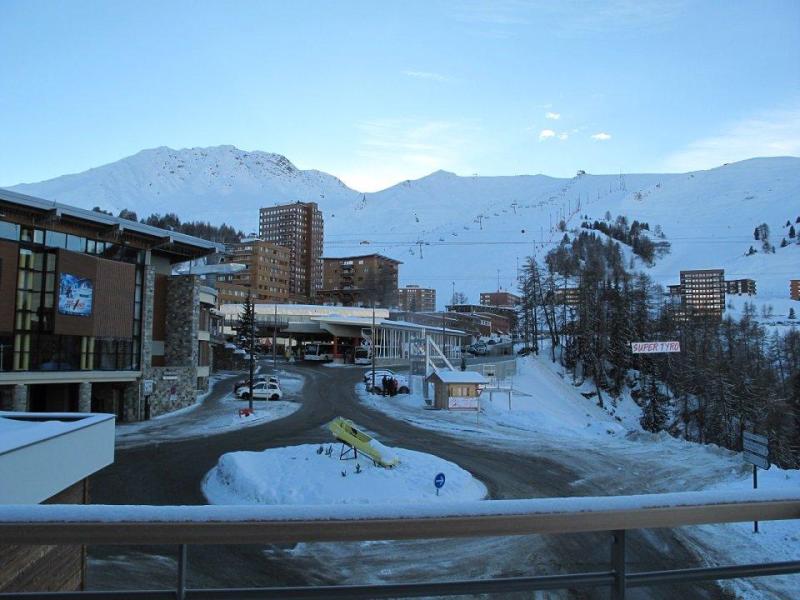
[215, 184]
[446, 228]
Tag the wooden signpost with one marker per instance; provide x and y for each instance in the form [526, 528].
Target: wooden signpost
[755, 450]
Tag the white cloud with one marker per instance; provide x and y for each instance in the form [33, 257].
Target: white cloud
[770, 133]
[563, 136]
[430, 76]
[552, 115]
[601, 137]
[546, 134]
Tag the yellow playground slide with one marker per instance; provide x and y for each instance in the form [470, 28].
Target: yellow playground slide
[346, 432]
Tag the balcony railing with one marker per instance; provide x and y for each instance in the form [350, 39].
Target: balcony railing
[186, 525]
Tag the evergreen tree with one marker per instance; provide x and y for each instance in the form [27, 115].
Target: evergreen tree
[246, 331]
[792, 232]
[654, 413]
[791, 313]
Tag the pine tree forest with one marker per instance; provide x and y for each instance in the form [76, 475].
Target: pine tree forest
[731, 375]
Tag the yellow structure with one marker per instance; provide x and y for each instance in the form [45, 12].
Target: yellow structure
[346, 432]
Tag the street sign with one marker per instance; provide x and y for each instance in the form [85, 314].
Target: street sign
[756, 460]
[655, 347]
[438, 481]
[754, 437]
[757, 449]
[756, 452]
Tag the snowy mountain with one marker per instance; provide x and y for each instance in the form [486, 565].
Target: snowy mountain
[216, 184]
[470, 230]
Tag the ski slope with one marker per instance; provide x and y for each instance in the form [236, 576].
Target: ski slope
[470, 231]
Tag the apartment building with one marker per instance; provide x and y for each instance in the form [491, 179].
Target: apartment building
[360, 281]
[499, 298]
[704, 291]
[92, 318]
[739, 287]
[266, 274]
[794, 289]
[413, 298]
[298, 227]
[501, 319]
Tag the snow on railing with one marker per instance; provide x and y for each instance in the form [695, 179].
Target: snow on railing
[33, 523]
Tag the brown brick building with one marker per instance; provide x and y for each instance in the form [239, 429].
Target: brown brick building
[360, 280]
[704, 291]
[794, 289]
[738, 287]
[499, 298]
[266, 275]
[299, 228]
[413, 298]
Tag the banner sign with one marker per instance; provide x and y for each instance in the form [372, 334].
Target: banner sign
[655, 347]
[462, 403]
[75, 295]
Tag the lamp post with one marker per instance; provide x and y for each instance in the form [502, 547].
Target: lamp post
[275, 339]
[251, 349]
[374, 344]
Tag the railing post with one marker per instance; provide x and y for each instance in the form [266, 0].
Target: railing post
[180, 588]
[618, 565]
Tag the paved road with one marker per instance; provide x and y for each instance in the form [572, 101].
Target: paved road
[171, 473]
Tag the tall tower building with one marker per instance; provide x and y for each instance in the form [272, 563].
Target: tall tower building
[299, 228]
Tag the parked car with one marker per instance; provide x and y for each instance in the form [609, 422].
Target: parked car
[524, 351]
[402, 383]
[257, 379]
[379, 374]
[478, 349]
[264, 390]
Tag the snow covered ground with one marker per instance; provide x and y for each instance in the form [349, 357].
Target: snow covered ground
[613, 455]
[303, 475]
[209, 418]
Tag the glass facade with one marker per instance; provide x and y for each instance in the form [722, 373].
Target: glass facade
[34, 345]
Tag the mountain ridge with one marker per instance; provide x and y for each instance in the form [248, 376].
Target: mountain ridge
[472, 230]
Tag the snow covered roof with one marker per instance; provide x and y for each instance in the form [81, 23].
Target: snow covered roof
[45, 453]
[217, 269]
[458, 376]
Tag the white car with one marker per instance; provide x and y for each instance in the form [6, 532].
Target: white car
[264, 390]
[402, 381]
[379, 374]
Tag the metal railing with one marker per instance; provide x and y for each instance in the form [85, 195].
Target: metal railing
[186, 525]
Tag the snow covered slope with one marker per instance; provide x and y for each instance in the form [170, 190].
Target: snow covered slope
[216, 184]
[469, 230]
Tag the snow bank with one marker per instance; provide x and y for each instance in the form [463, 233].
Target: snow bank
[299, 475]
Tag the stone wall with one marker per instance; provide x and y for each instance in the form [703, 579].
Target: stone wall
[173, 388]
[183, 320]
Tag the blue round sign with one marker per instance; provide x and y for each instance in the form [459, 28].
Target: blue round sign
[438, 481]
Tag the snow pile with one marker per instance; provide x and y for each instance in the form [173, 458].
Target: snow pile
[543, 402]
[301, 475]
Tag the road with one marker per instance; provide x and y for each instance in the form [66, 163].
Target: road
[171, 473]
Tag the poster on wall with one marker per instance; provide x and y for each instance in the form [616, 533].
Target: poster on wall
[75, 295]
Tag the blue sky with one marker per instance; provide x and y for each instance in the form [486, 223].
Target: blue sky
[378, 92]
